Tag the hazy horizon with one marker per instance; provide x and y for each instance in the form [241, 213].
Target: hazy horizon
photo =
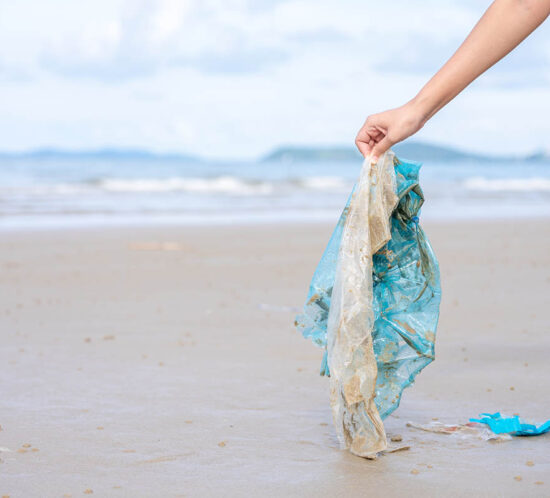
[114, 151]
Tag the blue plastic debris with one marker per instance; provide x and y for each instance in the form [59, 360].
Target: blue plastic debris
[512, 425]
[373, 302]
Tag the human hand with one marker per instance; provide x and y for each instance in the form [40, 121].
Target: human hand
[385, 129]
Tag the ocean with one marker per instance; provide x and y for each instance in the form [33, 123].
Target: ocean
[72, 191]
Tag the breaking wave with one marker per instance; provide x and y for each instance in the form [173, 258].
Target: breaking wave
[217, 185]
[223, 185]
[508, 184]
[220, 185]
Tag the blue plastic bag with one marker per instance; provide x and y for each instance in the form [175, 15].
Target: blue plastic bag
[512, 425]
[404, 303]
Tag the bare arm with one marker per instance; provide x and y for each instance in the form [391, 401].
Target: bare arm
[505, 24]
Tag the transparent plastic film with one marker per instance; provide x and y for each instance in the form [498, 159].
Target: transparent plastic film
[373, 302]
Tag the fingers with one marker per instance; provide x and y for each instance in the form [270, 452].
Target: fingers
[369, 135]
[365, 141]
[363, 147]
[381, 147]
[362, 141]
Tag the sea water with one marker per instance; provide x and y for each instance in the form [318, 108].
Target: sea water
[45, 192]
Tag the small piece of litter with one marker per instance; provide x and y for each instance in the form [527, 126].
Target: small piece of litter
[26, 445]
[500, 424]
[396, 449]
[100, 428]
[470, 430]
[539, 482]
[35, 449]
[414, 471]
[517, 478]
[529, 463]
[88, 491]
[221, 444]
[397, 438]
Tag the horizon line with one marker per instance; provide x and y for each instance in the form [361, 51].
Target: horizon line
[113, 150]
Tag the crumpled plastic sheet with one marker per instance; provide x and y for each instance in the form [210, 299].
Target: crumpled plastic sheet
[464, 431]
[373, 302]
[500, 424]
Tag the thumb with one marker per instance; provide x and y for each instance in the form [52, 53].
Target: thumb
[380, 148]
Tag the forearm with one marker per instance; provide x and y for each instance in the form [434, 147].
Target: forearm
[505, 24]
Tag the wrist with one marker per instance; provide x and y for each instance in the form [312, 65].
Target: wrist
[422, 108]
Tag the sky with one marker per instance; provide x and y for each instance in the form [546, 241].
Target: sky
[237, 78]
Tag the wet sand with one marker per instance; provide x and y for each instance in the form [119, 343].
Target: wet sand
[164, 362]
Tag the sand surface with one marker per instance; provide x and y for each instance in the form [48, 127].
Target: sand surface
[164, 362]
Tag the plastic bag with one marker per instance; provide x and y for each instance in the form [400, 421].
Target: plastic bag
[373, 302]
[470, 430]
[500, 424]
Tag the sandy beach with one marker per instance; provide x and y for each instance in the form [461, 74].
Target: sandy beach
[163, 361]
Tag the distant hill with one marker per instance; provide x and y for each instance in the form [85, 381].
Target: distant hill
[429, 152]
[304, 154]
[542, 156]
[107, 153]
[418, 151]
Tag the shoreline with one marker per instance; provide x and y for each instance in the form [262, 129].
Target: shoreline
[164, 361]
[126, 224]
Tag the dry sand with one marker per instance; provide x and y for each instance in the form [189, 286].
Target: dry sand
[164, 362]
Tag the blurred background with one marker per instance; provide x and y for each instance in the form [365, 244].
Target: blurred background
[187, 111]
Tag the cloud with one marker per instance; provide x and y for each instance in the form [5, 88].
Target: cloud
[155, 35]
[424, 51]
[14, 73]
[237, 77]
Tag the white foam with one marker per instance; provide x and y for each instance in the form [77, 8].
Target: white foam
[326, 183]
[222, 184]
[508, 184]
